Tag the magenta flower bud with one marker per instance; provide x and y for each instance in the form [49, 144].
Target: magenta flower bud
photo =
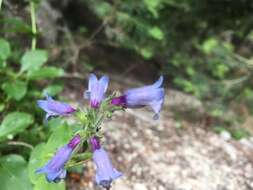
[105, 172]
[74, 141]
[54, 108]
[96, 90]
[94, 141]
[121, 100]
[54, 169]
[152, 95]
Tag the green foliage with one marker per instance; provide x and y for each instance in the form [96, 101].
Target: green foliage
[13, 173]
[152, 6]
[203, 47]
[156, 33]
[21, 72]
[19, 87]
[20, 76]
[5, 49]
[15, 25]
[15, 89]
[33, 60]
[45, 73]
[236, 133]
[14, 123]
[53, 89]
[239, 133]
[210, 45]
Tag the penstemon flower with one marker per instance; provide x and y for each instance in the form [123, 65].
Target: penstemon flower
[96, 90]
[54, 169]
[152, 95]
[105, 172]
[89, 121]
[54, 108]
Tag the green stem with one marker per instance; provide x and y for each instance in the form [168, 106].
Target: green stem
[1, 4]
[76, 164]
[19, 143]
[83, 156]
[33, 21]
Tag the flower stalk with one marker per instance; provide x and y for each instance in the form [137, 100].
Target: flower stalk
[33, 23]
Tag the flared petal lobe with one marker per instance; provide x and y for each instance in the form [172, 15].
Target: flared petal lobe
[55, 108]
[105, 172]
[54, 169]
[96, 90]
[151, 95]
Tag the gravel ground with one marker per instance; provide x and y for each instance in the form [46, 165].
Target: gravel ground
[156, 155]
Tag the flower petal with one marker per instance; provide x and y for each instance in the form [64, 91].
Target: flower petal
[54, 168]
[103, 83]
[52, 176]
[116, 174]
[96, 90]
[157, 84]
[92, 81]
[105, 172]
[144, 97]
[43, 105]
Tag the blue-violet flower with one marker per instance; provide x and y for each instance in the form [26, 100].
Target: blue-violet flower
[54, 169]
[151, 95]
[96, 90]
[54, 108]
[105, 172]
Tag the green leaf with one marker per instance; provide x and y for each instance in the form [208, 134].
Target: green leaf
[53, 89]
[16, 89]
[42, 184]
[239, 133]
[156, 33]
[146, 53]
[33, 60]
[103, 9]
[14, 123]
[210, 45]
[13, 173]
[153, 6]
[220, 129]
[2, 106]
[5, 49]
[45, 73]
[34, 162]
[15, 25]
[61, 135]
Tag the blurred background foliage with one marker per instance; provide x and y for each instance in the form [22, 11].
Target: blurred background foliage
[202, 47]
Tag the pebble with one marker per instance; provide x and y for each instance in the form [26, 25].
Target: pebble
[225, 135]
[139, 186]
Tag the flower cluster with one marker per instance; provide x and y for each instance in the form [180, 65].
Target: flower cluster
[100, 106]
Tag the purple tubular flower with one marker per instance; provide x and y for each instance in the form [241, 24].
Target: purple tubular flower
[54, 108]
[152, 95]
[54, 169]
[96, 90]
[105, 172]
